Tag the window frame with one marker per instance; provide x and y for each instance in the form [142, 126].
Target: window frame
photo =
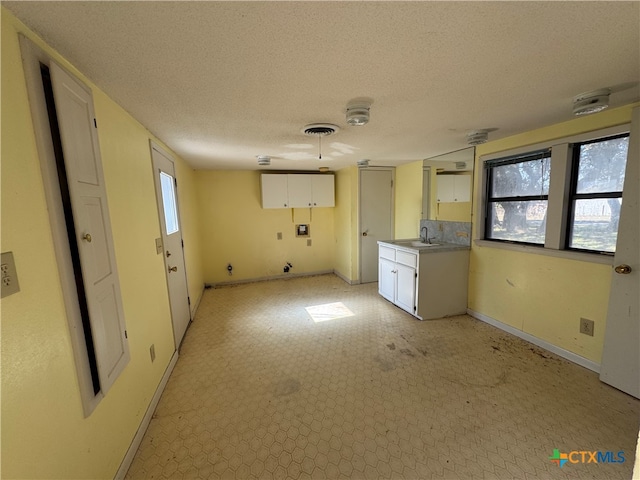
[558, 198]
[573, 196]
[489, 172]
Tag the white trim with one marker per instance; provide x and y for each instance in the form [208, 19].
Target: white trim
[272, 277]
[345, 279]
[142, 429]
[572, 357]
[196, 304]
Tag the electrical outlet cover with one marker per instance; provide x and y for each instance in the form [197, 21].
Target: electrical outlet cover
[9, 284]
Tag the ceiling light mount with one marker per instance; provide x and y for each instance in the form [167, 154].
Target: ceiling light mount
[477, 137]
[591, 102]
[358, 114]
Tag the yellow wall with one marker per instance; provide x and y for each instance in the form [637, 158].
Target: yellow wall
[236, 229]
[346, 261]
[453, 211]
[542, 295]
[408, 200]
[44, 432]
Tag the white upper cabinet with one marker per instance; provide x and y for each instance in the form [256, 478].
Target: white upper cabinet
[454, 188]
[299, 187]
[274, 191]
[323, 191]
[297, 190]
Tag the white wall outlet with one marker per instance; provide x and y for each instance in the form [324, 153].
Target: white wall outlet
[586, 326]
[9, 275]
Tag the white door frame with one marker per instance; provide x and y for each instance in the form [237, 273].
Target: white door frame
[175, 264]
[393, 197]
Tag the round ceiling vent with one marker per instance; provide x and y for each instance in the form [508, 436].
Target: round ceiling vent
[320, 129]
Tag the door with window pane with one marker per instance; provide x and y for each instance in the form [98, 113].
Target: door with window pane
[173, 253]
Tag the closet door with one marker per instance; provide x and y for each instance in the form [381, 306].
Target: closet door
[76, 119]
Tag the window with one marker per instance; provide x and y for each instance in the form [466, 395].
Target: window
[597, 180]
[518, 192]
[564, 195]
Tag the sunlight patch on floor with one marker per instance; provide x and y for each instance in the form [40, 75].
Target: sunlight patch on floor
[328, 311]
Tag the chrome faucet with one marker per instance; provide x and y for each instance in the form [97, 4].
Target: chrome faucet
[424, 239]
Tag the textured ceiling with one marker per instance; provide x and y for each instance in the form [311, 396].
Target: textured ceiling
[223, 82]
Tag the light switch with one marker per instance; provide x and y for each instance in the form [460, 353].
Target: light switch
[159, 248]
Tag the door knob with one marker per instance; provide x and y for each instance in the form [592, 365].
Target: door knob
[623, 269]
[87, 237]
[173, 269]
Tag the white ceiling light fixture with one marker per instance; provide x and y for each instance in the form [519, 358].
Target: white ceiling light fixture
[320, 130]
[477, 137]
[264, 160]
[358, 114]
[591, 102]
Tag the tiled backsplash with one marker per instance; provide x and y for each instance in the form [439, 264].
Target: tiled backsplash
[447, 232]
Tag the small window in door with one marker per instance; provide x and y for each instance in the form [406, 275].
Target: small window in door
[169, 203]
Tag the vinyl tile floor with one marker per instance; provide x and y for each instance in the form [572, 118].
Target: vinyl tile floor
[261, 390]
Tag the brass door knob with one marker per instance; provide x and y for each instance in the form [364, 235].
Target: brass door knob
[173, 269]
[87, 237]
[623, 269]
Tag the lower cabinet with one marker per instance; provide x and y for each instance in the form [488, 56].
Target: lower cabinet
[397, 278]
[428, 285]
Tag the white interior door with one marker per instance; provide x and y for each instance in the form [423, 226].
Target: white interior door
[376, 217]
[167, 198]
[91, 225]
[620, 366]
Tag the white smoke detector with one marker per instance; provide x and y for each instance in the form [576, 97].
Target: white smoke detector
[477, 137]
[591, 102]
[264, 160]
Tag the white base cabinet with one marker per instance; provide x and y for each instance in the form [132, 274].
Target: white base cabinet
[428, 285]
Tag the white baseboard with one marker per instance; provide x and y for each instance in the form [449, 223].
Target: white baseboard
[142, 429]
[194, 308]
[573, 357]
[345, 279]
[273, 277]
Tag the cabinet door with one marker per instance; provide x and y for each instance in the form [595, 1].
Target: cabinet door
[322, 188]
[387, 279]
[445, 188]
[406, 287]
[299, 187]
[274, 191]
[462, 188]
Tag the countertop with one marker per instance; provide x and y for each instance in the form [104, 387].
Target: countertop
[416, 246]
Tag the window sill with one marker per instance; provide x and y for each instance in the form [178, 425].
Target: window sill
[568, 254]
